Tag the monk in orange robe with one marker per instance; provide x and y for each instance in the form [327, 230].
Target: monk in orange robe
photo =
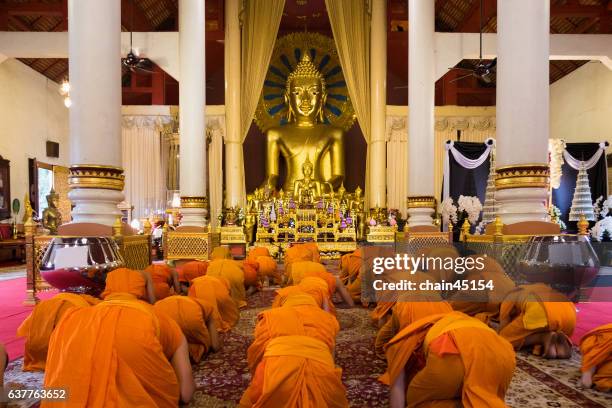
[250, 269]
[165, 280]
[300, 252]
[313, 286]
[233, 272]
[448, 359]
[256, 252]
[483, 304]
[291, 359]
[404, 313]
[538, 317]
[596, 350]
[268, 269]
[303, 269]
[195, 318]
[189, 271]
[216, 292]
[221, 252]
[127, 354]
[39, 325]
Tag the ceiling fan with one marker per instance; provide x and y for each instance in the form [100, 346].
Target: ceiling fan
[484, 70]
[132, 61]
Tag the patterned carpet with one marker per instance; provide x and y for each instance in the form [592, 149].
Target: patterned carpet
[222, 377]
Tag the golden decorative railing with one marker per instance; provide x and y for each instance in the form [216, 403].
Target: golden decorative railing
[187, 245]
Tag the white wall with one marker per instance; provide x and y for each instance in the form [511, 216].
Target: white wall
[581, 105]
[31, 112]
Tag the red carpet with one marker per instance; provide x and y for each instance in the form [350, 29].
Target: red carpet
[13, 312]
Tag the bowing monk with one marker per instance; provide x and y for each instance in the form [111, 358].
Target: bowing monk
[216, 292]
[189, 271]
[165, 280]
[448, 359]
[267, 266]
[538, 317]
[39, 325]
[291, 359]
[221, 252]
[233, 272]
[312, 286]
[483, 304]
[596, 350]
[128, 354]
[300, 252]
[195, 318]
[303, 269]
[404, 313]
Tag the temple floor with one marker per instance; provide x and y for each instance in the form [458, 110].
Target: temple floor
[222, 377]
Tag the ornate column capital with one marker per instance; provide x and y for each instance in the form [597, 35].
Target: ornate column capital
[96, 176]
[420, 202]
[194, 202]
[522, 176]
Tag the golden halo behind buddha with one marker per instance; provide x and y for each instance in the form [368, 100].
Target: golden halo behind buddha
[304, 55]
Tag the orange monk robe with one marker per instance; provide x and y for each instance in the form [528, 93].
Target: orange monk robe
[119, 356]
[438, 271]
[386, 300]
[221, 252]
[484, 304]
[256, 252]
[291, 358]
[535, 308]
[233, 272]
[596, 350]
[300, 252]
[251, 272]
[313, 286]
[350, 266]
[216, 292]
[124, 280]
[268, 268]
[39, 325]
[403, 315]
[161, 275]
[306, 269]
[466, 363]
[191, 270]
[191, 315]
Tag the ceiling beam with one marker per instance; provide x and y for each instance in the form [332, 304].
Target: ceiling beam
[35, 8]
[576, 10]
[132, 13]
[19, 23]
[471, 22]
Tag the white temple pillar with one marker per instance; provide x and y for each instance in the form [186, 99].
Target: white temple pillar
[522, 109]
[421, 93]
[234, 161]
[94, 43]
[378, 107]
[192, 103]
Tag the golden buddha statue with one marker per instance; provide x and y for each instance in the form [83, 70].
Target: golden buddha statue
[305, 135]
[51, 216]
[307, 189]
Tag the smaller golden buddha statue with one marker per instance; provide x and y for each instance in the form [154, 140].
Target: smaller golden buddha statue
[27, 211]
[51, 216]
[307, 188]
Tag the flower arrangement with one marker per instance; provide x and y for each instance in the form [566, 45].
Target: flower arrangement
[448, 210]
[472, 206]
[602, 230]
[555, 216]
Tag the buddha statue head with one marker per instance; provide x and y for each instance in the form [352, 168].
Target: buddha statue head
[307, 169]
[52, 199]
[305, 93]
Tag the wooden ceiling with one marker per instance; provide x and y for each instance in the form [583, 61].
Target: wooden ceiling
[567, 17]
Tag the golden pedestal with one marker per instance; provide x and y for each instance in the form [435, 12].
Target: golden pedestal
[232, 234]
[381, 234]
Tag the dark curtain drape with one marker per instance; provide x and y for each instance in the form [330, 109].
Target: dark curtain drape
[598, 180]
[468, 182]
